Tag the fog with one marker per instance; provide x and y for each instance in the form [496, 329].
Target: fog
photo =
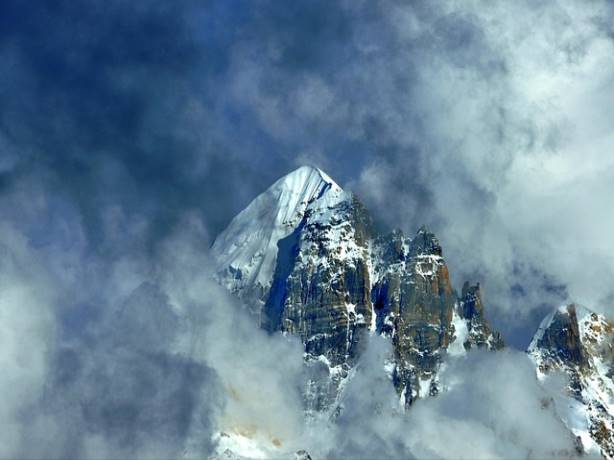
[130, 135]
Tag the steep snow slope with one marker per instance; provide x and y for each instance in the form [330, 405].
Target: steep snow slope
[246, 251]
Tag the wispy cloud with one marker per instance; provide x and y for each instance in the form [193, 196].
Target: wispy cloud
[130, 135]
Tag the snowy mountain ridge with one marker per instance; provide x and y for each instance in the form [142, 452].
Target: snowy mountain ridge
[307, 260]
[247, 248]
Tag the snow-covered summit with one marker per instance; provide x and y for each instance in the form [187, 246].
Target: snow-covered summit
[246, 251]
[307, 259]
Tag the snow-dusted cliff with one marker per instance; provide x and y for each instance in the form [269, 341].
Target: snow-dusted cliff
[306, 258]
[577, 342]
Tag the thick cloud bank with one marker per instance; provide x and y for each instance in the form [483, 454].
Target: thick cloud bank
[131, 133]
[133, 357]
[488, 121]
[159, 371]
[142, 356]
[493, 407]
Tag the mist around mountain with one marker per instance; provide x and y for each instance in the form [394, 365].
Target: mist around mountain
[165, 360]
[375, 311]
[131, 135]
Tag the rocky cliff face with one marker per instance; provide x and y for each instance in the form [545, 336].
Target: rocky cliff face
[577, 342]
[308, 261]
[415, 305]
[306, 257]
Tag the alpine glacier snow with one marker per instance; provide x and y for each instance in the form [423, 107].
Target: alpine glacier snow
[246, 251]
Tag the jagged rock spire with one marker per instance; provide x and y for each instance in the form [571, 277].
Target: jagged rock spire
[306, 256]
[578, 343]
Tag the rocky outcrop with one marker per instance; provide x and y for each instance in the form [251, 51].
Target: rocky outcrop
[326, 295]
[471, 309]
[416, 306]
[308, 261]
[578, 343]
[414, 302]
[561, 340]
[332, 279]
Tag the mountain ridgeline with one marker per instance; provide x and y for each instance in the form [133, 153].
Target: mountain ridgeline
[577, 343]
[308, 260]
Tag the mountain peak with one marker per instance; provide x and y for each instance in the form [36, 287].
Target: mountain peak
[576, 342]
[565, 317]
[425, 242]
[306, 178]
[247, 248]
[307, 260]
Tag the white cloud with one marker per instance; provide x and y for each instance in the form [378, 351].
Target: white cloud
[27, 337]
[492, 408]
[514, 141]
